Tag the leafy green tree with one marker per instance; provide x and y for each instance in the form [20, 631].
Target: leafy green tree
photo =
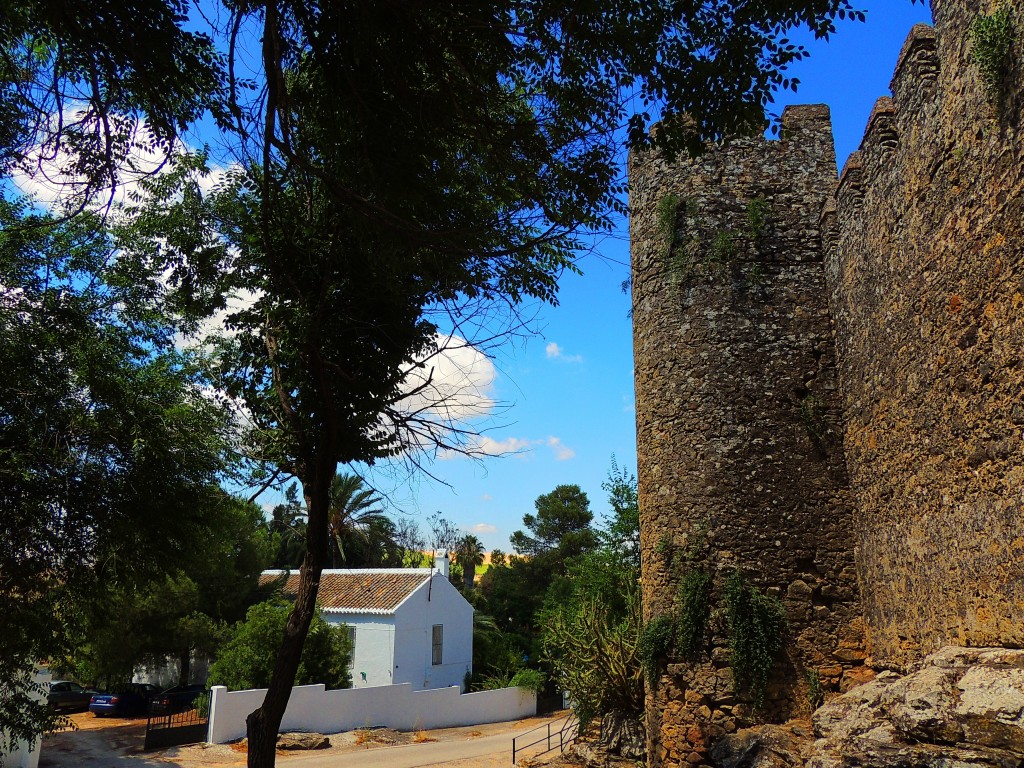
[185, 611]
[560, 530]
[620, 531]
[591, 618]
[247, 659]
[110, 453]
[498, 558]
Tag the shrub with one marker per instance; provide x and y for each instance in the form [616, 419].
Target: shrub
[247, 659]
[530, 679]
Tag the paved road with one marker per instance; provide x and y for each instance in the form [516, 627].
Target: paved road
[481, 752]
[118, 745]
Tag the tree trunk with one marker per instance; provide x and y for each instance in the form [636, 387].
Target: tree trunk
[184, 666]
[263, 725]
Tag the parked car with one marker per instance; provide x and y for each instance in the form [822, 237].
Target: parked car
[177, 699]
[131, 699]
[69, 695]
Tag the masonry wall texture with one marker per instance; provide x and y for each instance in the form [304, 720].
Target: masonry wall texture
[834, 399]
[740, 467]
[925, 272]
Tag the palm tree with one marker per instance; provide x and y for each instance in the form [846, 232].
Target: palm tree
[469, 553]
[288, 524]
[361, 534]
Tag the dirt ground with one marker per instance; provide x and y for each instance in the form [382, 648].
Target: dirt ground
[117, 742]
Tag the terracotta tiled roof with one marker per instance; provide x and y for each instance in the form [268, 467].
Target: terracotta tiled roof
[357, 591]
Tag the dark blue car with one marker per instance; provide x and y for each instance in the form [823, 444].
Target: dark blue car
[131, 699]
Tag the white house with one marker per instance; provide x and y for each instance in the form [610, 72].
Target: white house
[409, 625]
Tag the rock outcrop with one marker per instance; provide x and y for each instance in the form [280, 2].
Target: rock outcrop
[959, 708]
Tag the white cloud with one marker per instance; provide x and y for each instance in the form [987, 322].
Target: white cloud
[52, 175]
[491, 447]
[555, 352]
[486, 497]
[452, 382]
[484, 528]
[562, 451]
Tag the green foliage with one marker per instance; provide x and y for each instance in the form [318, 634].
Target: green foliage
[591, 617]
[757, 627]
[814, 416]
[559, 531]
[693, 613]
[667, 212]
[621, 530]
[530, 679]
[469, 553]
[592, 646]
[361, 534]
[755, 276]
[183, 611]
[247, 658]
[759, 213]
[655, 644]
[721, 251]
[110, 454]
[815, 694]
[992, 39]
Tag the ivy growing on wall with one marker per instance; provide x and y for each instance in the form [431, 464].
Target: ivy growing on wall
[655, 644]
[668, 218]
[992, 38]
[694, 612]
[757, 628]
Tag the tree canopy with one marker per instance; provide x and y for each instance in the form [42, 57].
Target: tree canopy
[110, 449]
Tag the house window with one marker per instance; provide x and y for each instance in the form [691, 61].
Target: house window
[352, 648]
[437, 643]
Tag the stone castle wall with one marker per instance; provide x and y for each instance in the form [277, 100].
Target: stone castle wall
[875, 328]
[740, 467]
[927, 290]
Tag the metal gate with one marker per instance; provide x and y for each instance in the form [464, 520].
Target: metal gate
[185, 726]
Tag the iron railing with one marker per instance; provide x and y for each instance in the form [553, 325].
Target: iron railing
[557, 734]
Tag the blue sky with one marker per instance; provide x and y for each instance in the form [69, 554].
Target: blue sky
[570, 407]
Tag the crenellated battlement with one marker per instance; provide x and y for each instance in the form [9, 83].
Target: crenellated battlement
[917, 69]
[837, 399]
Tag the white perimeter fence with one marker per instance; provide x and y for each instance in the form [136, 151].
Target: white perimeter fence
[312, 708]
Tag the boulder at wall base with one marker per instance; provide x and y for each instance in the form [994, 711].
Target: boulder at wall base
[961, 707]
[302, 741]
[623, 734]
[764, 746]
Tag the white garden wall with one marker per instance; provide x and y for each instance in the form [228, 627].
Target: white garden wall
[22, 754]
[312, 708]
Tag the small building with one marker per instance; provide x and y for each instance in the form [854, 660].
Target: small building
[408, 625]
